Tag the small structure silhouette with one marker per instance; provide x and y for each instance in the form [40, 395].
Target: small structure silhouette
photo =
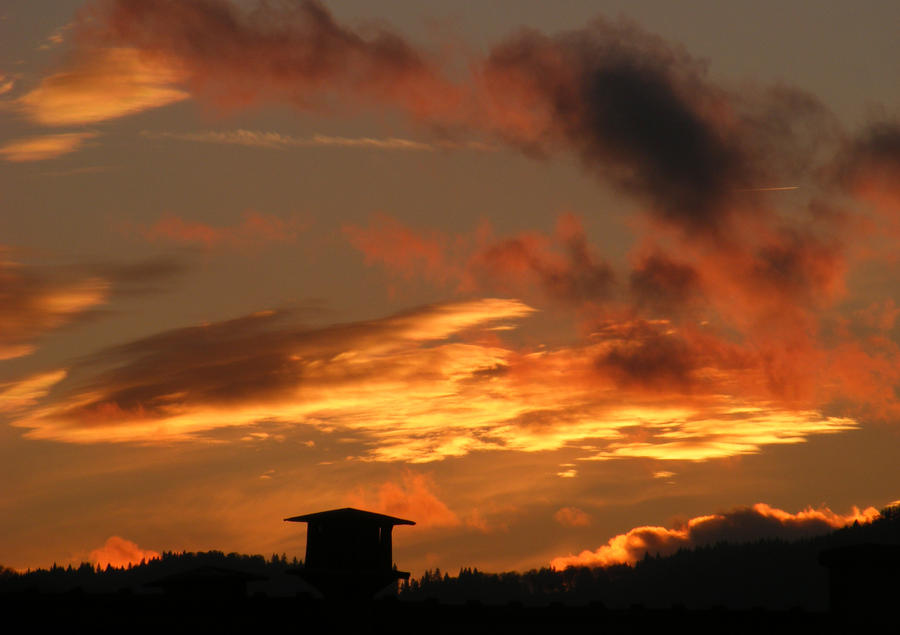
[348, 552]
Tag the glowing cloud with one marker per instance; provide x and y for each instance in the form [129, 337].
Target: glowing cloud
[741, 524]
[412, 498]
[102, 84]
[119, 553]
[20, 395]
[414, 387]
[43, 147]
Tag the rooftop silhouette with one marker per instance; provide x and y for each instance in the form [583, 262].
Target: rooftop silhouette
[349, 552]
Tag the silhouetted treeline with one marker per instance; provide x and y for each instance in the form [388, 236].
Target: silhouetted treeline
[773, 574]
[92, 579]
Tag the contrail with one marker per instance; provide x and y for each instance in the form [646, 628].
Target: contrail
[783, 188]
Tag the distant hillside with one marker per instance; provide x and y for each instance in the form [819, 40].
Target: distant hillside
[772, 574]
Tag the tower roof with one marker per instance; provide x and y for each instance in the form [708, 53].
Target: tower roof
[350, 515]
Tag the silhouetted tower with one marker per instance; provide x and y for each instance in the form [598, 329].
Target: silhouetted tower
[348, 552]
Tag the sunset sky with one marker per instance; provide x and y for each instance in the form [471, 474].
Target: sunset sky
[561, 282]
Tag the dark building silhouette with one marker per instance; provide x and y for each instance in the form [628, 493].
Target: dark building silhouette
[348, 552]
[863, 579]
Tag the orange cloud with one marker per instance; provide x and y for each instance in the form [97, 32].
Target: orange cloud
[741, 524]
[43, 147]
[748, 317]
[400, 249]
[255, 228]
[25, 393]
[100, 84]
[412, 498]
[293, 53]
[35, 300]
[561, 265]
[572, 517]
[119, 553]
[414, 387]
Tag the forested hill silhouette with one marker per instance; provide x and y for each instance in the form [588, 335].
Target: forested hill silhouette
[770, 574]
[89, 579]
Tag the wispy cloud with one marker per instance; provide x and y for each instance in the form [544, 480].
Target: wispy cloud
[102, 84]
[23, 394]
[254, 229]
[6, 84]
[35, 300]
[279, 141]
[741, 524]
[43, 147]
[56, 38]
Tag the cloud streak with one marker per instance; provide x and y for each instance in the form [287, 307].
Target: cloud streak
[43, 147]
[278, 141]
[741, 524]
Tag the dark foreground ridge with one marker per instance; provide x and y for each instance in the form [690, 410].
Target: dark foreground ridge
[139, 614]
[843, 581]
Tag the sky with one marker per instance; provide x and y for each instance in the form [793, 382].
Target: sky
[562, 284]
